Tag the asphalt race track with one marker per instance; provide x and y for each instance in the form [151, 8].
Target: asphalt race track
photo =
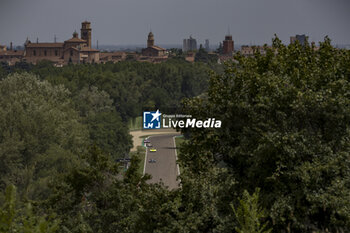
[164, 169]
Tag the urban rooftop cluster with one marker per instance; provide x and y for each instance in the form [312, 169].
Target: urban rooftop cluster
[79, 50]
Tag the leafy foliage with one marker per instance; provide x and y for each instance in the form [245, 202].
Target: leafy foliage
[203, 56]
[285, 129]
[104, 124]
[132, 85]
[249, 214]
[12, 219]
[39, 132]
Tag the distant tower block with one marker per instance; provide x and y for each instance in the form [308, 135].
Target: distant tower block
[86, 32]
[228, 45]
[150, 40]
[207, 47]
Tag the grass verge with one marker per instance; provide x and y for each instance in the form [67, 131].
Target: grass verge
[135, 124]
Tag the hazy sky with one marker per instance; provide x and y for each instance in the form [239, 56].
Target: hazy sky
[121, 22]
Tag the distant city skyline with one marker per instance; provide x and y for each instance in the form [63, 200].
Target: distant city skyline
[128, 22]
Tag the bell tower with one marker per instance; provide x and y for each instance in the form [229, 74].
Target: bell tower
[150, 40]
[86, 32]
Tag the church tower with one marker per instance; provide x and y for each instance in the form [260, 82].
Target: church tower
[228, 43]
[150, 41]
[86, 32]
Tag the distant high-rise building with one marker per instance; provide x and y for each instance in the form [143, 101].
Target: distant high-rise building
[300, 38]
[189, 44]
[228, 45]
[207, 45]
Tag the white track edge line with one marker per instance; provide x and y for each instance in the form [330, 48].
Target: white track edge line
[177, 164]
[144, 164]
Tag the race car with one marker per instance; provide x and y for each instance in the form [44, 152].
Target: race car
[146, 140]
[153, 150]
[149, 145]
[152, 161]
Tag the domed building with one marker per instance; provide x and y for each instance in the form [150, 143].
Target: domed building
[75, 50]
[153, 50]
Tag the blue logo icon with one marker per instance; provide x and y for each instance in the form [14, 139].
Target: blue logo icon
[151, 120]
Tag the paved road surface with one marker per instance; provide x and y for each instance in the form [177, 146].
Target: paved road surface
[136, 134]
[165, 168]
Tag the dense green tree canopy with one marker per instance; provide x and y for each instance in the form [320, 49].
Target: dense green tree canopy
[285, 130]
[85, 190]
[39, 131]
[131, 85]
[105, 125]
[280, 162]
